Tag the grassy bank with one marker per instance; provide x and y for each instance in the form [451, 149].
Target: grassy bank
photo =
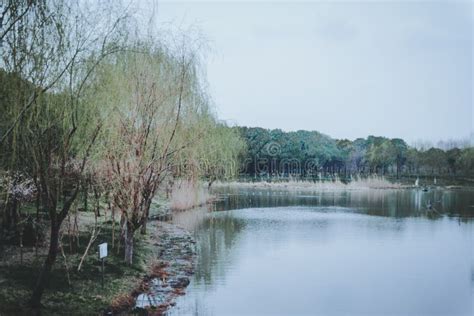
[71, 291]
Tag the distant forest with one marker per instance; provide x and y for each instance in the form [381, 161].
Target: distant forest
[310, 154]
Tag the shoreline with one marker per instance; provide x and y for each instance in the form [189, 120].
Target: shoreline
[337, 185]
[164, 261]
[376, 184]
[168, 276]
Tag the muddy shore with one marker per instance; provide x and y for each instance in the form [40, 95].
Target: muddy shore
[168, 275]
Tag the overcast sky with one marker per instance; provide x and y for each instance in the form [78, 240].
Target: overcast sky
[347, 69]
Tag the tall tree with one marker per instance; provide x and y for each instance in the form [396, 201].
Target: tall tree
[452, 157]
[399, 148]
[150, 118]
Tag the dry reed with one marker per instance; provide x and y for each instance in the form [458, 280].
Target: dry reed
[357, 183]
[187, 194]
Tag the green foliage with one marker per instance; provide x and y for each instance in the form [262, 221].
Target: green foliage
[466, 160]
[434, 159]
[313, 153]
[219, 151]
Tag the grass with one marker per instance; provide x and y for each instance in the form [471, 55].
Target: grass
[84, 294]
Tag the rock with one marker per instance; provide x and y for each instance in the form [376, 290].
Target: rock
[177, 254]
[180, 282]
[145, 300]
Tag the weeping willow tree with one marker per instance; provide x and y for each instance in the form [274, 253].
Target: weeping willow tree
[222, 153]
[49, 123]
[150, 99]
[158, 124]
[216, 156]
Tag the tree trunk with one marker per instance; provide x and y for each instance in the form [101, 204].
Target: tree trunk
[16, 215]
[112, 212]
[145, 222]
[86, 193]
[38, 204]
[211, 181]
[7, 218]
[48, 264]
[97, 195]
[129, 244]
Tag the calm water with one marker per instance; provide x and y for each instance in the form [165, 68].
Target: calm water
[344, 253]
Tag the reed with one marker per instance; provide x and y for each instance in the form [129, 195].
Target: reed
[187, 194]
[357, 183]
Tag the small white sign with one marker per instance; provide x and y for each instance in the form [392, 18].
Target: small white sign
[103, 250]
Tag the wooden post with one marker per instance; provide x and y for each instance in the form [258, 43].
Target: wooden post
[103, 272]
[102, 255]
[21, 248]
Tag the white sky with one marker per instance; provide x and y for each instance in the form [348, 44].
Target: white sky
[347, 69]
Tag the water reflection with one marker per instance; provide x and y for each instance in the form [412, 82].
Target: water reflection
[336, 253]
[393, 203]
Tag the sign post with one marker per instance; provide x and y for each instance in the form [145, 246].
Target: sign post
[102, 255]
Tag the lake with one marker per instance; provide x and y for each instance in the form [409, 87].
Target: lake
[368, 252]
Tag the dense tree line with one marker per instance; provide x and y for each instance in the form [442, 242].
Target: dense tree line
[310, 154]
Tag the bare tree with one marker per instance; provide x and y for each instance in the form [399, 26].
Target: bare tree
[13, 11]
